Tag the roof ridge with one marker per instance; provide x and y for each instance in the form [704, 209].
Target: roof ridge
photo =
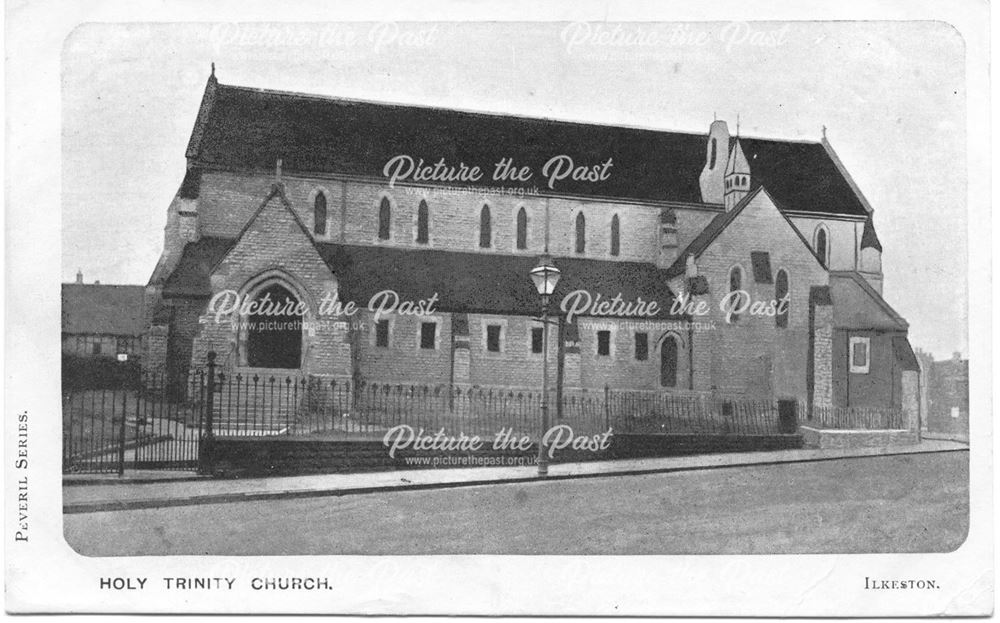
[721, 221]
[104, 285]
[493, 113]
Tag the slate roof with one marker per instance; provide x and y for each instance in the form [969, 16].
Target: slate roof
[904, 353]
[250, 129]
[464, 282]
[718, 224]
[801, 177]
[191, 275]
[708, 235]
[485, 282]
[869, 238]
[844, 286]
[102, 309]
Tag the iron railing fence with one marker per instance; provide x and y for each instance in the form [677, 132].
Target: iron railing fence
[107, 430]
[652, 412]
[864, 418]
[157, 426]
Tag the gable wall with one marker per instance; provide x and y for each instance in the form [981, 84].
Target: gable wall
[274, 240]
[754, 356]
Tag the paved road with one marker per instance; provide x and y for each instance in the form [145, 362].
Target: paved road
[908, 503]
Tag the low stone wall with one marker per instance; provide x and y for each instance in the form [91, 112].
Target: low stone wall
[236, 457]
[826, 438]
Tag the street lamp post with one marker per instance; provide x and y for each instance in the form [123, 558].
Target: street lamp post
[545, 275]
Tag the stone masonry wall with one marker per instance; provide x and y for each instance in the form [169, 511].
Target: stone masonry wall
[753, 357]
[228, 200]
[275, 244]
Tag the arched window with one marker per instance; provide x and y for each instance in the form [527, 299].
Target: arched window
[581, 233]
[422, 223]
[715, 147]
[319, 214]
[616, 234]
[735, 284]
[822, 245]
[522, 229]
[384, 219]
[485, 228]
[668, 361]
[780, 292]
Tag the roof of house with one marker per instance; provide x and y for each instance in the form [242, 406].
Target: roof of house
[462, 281]
[250, 129]
[102, 309]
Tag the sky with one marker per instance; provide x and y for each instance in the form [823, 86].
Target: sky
[891, 94]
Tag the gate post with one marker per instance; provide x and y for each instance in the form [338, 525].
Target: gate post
[207, 450]
[121, 436]
[607, 408]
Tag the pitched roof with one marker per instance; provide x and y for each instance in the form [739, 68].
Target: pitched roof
[904, 353]
[102, 309]
[464, 282]
[857, 305]
[250, 129]
[485, 282]
[191, 275]
[717, 225]
[708, 235]
[869, 238]
[737, 159]
[801, 177]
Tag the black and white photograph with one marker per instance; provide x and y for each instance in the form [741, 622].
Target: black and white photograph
[589, 300]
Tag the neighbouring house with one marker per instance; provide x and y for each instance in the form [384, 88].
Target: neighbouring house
[285, 199]
[945, 394]
[102, 321]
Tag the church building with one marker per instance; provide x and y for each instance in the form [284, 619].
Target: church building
[760, 255]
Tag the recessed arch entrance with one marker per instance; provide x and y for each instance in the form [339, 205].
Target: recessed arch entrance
[274, 331]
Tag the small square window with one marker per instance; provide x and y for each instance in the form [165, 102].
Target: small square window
[96, 348]
[493, 338]
[604, 343]
[428, 335]
[860, 355]
[537, 340]
[641, 346]
[382, 334]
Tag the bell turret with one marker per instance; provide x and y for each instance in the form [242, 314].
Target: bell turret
[737, 180]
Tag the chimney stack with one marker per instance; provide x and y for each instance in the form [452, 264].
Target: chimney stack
[79, 276]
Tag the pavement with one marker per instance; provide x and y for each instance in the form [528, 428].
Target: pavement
[155, 489]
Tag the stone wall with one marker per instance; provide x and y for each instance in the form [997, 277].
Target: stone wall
[275, 248]
[827, 438]
[227, 200]
[248, 456]
[822, 349]
[754, 357]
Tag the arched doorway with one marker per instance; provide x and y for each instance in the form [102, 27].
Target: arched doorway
[274, 340]
[668, 362]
